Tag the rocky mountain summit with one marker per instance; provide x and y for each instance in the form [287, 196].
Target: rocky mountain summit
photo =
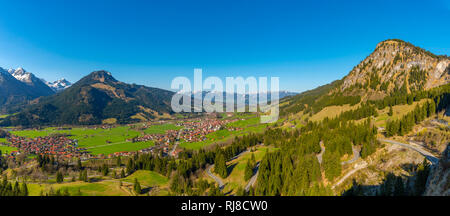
[396, 65]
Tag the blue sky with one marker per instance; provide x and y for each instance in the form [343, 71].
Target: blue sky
[306, 44]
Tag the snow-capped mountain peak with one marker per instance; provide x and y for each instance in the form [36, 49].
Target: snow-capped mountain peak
[59, 85]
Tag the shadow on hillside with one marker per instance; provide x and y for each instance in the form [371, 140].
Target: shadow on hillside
[146, 190]
[231, 167]
[393, 185]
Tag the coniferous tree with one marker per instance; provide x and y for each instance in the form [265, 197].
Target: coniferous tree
[220, 165]
[399, 189]
[24, 189]
[119, 161]
[122, 173]
[59, 177]
[137, 186]
[248, 173]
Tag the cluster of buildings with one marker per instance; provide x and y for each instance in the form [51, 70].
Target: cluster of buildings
[60, 146]
[196, 131]
[193, 131]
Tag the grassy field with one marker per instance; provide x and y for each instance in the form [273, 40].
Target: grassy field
[332, 111]
[86, 137]
[7, 149]
[147, 178]
[161, 129]
[119, 147]
[107, 141]
[399, 111]
[236, 176]
[103, 188]
[98, 141]
[244, 123]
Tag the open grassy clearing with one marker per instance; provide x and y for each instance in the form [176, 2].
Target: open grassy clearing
[147, 178]
[6, 149]
[398, 112]
[161, 129]
[109, 187]
[102, 188]
[332, 111]
[120, 147]
[237, 166]
[244, 123]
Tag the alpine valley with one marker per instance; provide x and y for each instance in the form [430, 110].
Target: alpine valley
[380, 130]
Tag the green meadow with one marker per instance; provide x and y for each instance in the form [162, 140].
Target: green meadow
[161, 129]
[236, 176]
[98, 141]
[147, 178]
[102, 188]
[7, 149]
[119, 147]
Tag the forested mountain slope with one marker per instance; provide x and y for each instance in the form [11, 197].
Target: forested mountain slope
[394, 68]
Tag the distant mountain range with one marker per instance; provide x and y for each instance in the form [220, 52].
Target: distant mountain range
[37, 85]
[19, 87]
[247, 97]
[395, 67]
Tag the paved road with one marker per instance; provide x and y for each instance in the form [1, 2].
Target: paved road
[176, 143]
[217, 179]
[355, 156]
[253, 179]
[429, 156]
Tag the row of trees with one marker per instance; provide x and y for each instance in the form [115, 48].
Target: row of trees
[438, 94]
[406, 123]
[249, 167]
[7, 189]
